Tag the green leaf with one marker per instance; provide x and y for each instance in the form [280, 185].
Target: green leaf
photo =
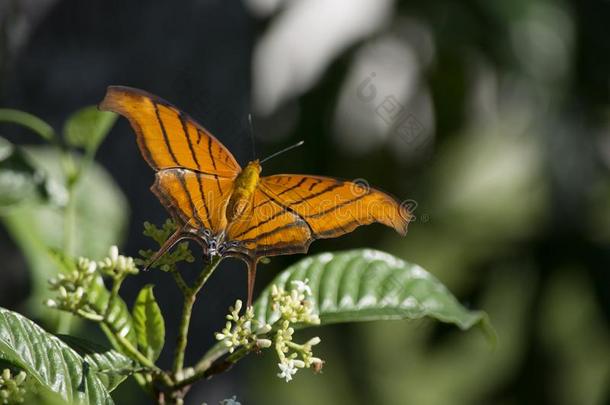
[19, 179]
[110, 366]
[169, 261]
[50, 361]
[369, 285]
[88, 127]
[101, 218]
[29, 121]
[149, 323]
[119, 318]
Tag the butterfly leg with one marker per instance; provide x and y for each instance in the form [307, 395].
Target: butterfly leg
[251, 279]
[169, 243]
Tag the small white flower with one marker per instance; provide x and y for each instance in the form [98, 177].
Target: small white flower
[301, 286]
[288, 369]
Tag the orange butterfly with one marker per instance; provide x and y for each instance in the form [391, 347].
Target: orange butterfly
[232, 211]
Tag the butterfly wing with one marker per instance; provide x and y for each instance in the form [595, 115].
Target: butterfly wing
[290, 211]
[167, 137]
[195, 200]
[270, 229]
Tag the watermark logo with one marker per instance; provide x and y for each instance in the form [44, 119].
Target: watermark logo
[401, 121]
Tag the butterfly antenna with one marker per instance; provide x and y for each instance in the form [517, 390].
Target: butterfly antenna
[252, 136]
[296, 145]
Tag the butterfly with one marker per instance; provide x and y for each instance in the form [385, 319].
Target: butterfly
[233, 211]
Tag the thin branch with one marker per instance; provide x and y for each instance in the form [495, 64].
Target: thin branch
[180, 282]
[189, 300]
[214, 365]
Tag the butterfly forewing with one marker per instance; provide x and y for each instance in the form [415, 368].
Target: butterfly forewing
[334, 207]
[167, 137]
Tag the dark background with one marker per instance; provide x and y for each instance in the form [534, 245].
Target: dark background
[511, 182]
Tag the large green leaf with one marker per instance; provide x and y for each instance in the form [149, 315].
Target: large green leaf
[29, 121]
[110, 366]
[19, 179]
[368, 285]
[88, 127]
[49, 360]
[149, 323]
[101, 217]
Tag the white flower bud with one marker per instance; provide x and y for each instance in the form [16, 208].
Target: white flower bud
[114, 253]
[51, 303]
[62, 291]
[20, 378]
[92, 267]
[313, 341]
[79, 293]
[121, 262]
[263, 343]
[238, 305]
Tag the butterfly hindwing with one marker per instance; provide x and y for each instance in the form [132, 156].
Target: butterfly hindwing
[270, 229]
[194, 199]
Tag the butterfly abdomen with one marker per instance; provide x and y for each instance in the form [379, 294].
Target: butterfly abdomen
[243, 191]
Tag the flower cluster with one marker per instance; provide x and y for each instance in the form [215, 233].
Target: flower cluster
[12, 389]
[243, 330]
[117, 266]
[72, 287]
[294, 307]
[290, 308]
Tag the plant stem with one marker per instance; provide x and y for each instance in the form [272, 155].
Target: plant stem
[190, 296]
[130, 350]
[209, 365]
[180, 282]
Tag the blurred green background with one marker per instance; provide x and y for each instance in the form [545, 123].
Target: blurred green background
[492, 117]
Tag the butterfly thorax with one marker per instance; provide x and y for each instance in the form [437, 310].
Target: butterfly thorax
[243, 191]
